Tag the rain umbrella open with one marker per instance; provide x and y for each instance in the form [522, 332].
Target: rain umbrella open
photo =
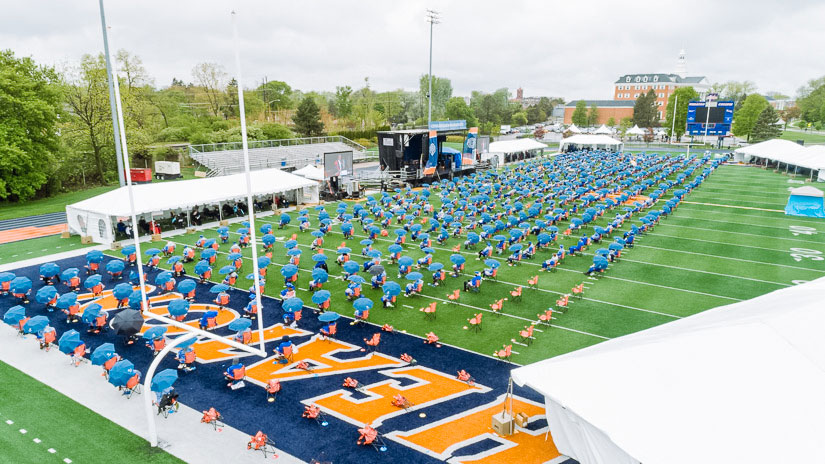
[154, 333]
[217, 288]
[209, 243]
[317, 233]
[186, 286]
[356, 279]
[173, 260]
[366, 241]
[69, 341]
[264, 261]
[344, 250]
[122, 291]
[201, 267]
[244, 230]
[329, 316]
[103, 353]
[208, 253]
[376, 270]
[290, 244]
[121, 372]
[289, 270]
[293, 304]
[374, 254]
[414, 276]
[435, 267]
[6, 277]
[127, 250]
[362, 304]
[351, 266]
[91, 281]
[294, 252]
[319, 275]
[457, 259]
[35, 324]
[14, 315]
[321, 296]
[405, 261]
[163, 380]
[239, 325]
[392, 288]
[91, 312]
[266, 228]
[49, 269]
[127, 322]
[396, 248]
[234, 256]
[94, 256]
[492, 263]
[227, 270]
[319, 257]
[516, 247]
[178, 307]
[20, 285]
[151, 252]
[66, 300]
[69, 273]
[115, 266]
[45, 294]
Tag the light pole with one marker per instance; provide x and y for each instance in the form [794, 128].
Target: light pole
[432, 18]
[673, 128]
[120, 173]
[710, 102]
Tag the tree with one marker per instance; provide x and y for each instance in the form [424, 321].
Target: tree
[31, 104]
[789, 114]
[212, 78]
[579, 117]
[745, 118]
[644, 110]
[308, 118]
[535, 114]
[276, 95]
[593, 115]
[230, 110]
[766, 126]
[684, 95]
[625, 124]
[611, 121]
[519, 119]
[343, 103]
[734, 90]
[442, 91]
[811, 100]
[457, 109]
[492, 109]
[546, 105]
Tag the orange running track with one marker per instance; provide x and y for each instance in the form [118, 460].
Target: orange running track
[23, 233]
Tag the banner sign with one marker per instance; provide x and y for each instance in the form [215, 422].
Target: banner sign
[432, 157]
[459, 124]
[468, 155]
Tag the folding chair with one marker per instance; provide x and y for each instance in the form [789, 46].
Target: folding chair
[504, 353]
[333, 329]
[408, 359]
[400, 401]
[547, 317]
[578, 290]
[349, 382]
[213, 418]
[273, 387]
[475, 322]
[374, 341]
[453, 297]
[132, 385]
[429, 311]
[465, 376]
[516, 293]
[314, 412]
[370, 436]
[526, 334]
[533, 282]
[168, 404]
[261, 442]
[498, 305]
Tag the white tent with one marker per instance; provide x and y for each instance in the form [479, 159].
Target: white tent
[787, 152]
[635, 131]
[95, 216]
[603, 130]
[574, 129]
[737, 383]
[586, 141]
[310, 172]
[516, 146]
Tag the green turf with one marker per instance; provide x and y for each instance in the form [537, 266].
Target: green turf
[808, 137]
[36, 247]
[60, 423]
[700, 257]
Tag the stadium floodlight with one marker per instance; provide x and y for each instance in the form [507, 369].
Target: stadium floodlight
[145, 310]
[432, 18]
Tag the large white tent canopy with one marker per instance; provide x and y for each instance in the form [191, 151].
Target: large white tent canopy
[516, 146]
[784, 151]
[310, 172]
[594, 141]
[603, 130]
[737, 383]
[635, 130]
[94, 216]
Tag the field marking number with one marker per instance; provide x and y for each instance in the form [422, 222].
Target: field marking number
[802, 230]
[799, 254]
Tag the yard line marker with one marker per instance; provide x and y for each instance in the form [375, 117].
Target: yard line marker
[23, 431]
[407, 306]
[51, 450]
[731, 206]
[67, 461]
[734, 259]
[36, 440]
[10, 422]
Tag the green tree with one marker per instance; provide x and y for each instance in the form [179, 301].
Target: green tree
[492, 109]
[644, 110]
[611, 121]
[343, 103]
[766, 126]
[456, 109]
[685, 95]
[737, 91]
[535, 114]
[31, 105]
[593, 115]
[811, 99]
[579, 116]
[442, 91]
[212, 78]
[745, 118]
[276, 95]
[519, 119]
[308, 118]
[625, 124]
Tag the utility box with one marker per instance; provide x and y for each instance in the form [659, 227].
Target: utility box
[167, 170]
[503, 424]
[140, 175]
[85, 239]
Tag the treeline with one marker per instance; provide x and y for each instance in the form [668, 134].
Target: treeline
[57, 131]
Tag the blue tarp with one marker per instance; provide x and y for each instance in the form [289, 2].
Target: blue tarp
[800, 205]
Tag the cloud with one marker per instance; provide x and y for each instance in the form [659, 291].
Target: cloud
[568, 49]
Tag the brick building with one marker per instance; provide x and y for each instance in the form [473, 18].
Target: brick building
[616, 109]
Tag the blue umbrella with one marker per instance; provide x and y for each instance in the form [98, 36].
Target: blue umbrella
[516, 247]
[492, 263]
[392, 288]
[499, 238]
[189, 342]
[151, 252]
[266, 228]
[400, 232]
[135, 299]
[344, 251]
[163, 380]
[234, 256]
[405, 261]
[319, 257]
[186, 286]
[329, 316]
[223, 230]
[69, 341]
[45, 294]
[227, 270]
[122, 291]
[201, 267]
[121, 372]
[173, 260]
[356, 279]
[208, 253]
[209, 243]
[14, 315]
[414, 276]
[217, 288]
[366, 241]
[457, 259]
[293, 304]
[66, 300]
[69, 273]
[239, 325]
[103, 353]
[264, 261]
[294, 252]
[155, 332]
[35, 324]
[374, 254]
[435, 267]
[160, 279]
[49, 269]
[127, 250]
[94, 256]
[91, 312]
[615, 246]
[91, 281]
[351, 267]
[290, 244]
[268, 239]
[396, 248]
[317, 233]
[289, 270]
[362, 304]
[319, 275]
[285, 218]
[7, 276]
[243, 230]
[320, 296]
[178, 307]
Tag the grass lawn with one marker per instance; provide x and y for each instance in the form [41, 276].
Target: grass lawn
[61, 424]
[806, 136]
[35, 247]
[53, 204]
[700, 257]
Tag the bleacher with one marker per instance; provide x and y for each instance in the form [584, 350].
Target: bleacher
[220, 159]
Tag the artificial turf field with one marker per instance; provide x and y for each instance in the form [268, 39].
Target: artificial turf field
[727, 241]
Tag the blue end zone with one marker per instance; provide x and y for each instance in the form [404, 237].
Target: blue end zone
[247, 409]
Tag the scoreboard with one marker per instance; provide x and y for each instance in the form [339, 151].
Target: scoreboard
[717, 114]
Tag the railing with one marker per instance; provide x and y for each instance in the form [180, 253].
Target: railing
[213, 147]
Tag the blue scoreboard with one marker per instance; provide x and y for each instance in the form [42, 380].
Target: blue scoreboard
[717, 114]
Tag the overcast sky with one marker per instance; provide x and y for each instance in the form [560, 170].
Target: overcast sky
[572, 49]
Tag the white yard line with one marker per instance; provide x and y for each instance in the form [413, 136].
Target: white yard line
[659, 234]
[749, 224]
[732, 259]
[731, 206]
[717, 231]
[740, 214]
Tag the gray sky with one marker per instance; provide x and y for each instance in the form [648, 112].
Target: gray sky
[553, 48]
